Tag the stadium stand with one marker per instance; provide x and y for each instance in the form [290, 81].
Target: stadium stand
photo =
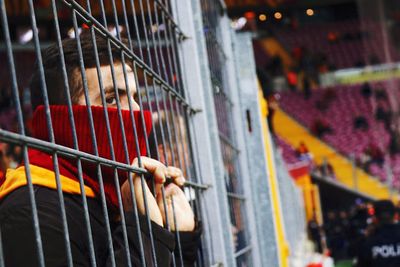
[339, 113]
[345, 44]
[293, 132]
[287, 151]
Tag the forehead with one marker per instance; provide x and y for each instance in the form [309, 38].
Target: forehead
[107, 77]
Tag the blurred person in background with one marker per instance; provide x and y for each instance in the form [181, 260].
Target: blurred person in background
[366, 90]
[302, 149]
[381, 247]
[314, 233]
[320, 127]
[292, 79]
[4, 161]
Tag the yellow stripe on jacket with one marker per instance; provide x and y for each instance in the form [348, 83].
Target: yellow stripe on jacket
[43, 177]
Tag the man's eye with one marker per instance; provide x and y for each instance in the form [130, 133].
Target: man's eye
[111, 100]
[136, 97]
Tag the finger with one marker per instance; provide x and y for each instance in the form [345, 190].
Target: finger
[139, 194]
[158, 188]
[174, 171]
[154, 167]
[165, 205]
[171, 190]
[176, 175]
[159, 174]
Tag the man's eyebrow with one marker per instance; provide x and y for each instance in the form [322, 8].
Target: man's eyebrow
[110, 90]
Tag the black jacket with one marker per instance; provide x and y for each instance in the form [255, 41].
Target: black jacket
[381, 248]
[19, 243]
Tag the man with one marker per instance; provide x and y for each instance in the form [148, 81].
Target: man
[382, 245]
[17, 233]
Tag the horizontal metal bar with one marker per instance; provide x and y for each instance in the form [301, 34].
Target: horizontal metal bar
[236, 196]
[44, 44]
[25, 47]
[242, 251]
[197, 185]
[72, 153]
[226, 140]
[90, 20]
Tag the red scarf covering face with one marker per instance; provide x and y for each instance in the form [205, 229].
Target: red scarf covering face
[63, 136]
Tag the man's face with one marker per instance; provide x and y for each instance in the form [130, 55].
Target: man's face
[108, 86]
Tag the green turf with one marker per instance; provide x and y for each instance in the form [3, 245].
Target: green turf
[345, 263]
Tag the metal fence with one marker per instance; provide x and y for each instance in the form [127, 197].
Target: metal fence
[143, 38]
[292, 201]
[171, 76]
[222, 95]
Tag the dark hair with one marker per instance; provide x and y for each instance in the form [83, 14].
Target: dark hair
[384, 211]
[53, 71]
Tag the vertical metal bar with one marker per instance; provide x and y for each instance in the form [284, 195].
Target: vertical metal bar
[167, 44]
[179, 135]
[116, 178]
[136, 30]
[178, 240]
[1, 251]
[142, 178]
[131, 110]
[206, 143]
[160, 42]
[150, 62]
[162, 189]
[73, 130]
[51, 136]
[131, 185]
[167, 122]
[93, 136]
[124, 142]
[130, 181]
[172, 131]
[174, 49]
[198, 208]
[36, 227]
[193, 170]
[168, 129]
[155, 45]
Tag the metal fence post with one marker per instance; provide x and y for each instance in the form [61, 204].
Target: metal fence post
[235, 44]
[258, 182]
[291, 199]
[205, 133]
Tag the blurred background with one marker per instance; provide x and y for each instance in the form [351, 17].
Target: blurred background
[330, 73]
